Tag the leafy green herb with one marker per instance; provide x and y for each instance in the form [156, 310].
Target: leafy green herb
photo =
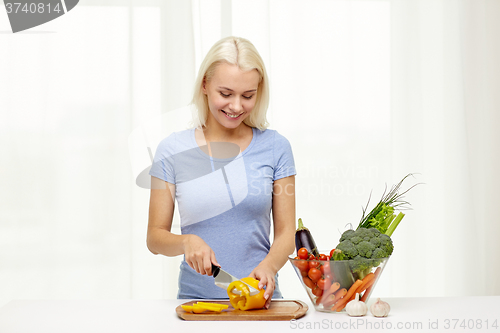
[383, 216]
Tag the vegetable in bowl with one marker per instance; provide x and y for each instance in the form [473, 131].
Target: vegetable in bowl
[360, 245]
[328, 289]
[356, 263]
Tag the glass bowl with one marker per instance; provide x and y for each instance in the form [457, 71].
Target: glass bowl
[331, 280]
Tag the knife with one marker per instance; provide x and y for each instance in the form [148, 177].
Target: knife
[223, 279]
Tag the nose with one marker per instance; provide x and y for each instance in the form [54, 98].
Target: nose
[236, 105]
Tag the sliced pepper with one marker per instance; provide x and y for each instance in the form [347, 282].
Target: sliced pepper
[245, 301]
[214, 306]
[187, 308]
[200, 307]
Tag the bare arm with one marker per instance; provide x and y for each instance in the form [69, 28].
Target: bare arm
[284, 229]
[160, 240]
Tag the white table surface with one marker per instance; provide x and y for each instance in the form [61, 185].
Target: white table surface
[447, 314]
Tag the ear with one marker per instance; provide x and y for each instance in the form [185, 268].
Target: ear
[203, 86]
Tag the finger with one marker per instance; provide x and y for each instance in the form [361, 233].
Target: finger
[262, 282]
[190, 263]
[268, 303]
[213, 260]
[199, 267]
[269, 292]
[207, 264]
[269, 289]
[268, 295]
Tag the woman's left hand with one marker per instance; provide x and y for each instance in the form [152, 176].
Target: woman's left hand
[265, 275]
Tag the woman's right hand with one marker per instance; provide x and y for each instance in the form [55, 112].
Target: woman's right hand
[198, 255]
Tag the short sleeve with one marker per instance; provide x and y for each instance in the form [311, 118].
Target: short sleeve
[163, 162]
[284, 165]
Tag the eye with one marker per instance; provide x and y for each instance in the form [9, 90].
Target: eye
[224, 95]
[248, 97]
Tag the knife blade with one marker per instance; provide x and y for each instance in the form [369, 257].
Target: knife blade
[223, 279]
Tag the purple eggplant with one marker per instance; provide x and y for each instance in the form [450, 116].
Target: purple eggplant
[303, 238]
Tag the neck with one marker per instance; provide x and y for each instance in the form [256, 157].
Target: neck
[213, 131]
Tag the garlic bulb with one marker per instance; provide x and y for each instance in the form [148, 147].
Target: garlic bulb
[380, 308]
[356, 308]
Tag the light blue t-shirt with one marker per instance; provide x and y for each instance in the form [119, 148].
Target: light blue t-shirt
[226, 200]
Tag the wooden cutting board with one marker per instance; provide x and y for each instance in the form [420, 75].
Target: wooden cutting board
[278, 310]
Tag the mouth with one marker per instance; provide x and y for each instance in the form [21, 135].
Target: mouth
[232, 115]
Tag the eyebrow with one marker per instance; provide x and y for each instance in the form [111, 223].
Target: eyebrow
[226, 88]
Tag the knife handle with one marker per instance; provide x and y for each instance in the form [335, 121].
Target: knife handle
[215, 270]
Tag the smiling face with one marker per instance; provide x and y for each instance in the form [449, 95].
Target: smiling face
[232, 94]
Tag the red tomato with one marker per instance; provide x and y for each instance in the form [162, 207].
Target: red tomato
[322, 257]
[314, 274]
[314, 264]
[331, 253]
[302, 265]
[324, 283]
[303, 253]
[321, 283]
[325, 268]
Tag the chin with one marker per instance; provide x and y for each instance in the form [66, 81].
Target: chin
[231, 125]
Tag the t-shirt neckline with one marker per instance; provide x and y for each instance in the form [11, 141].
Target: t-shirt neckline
[247, 149]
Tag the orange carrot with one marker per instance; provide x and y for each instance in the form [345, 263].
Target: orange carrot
[308, 282]
[333, 288]
[340, 293]
[367, 291]
[370, 285]
[342, 302]
[328, 301]
[365, 280]
[333, 298]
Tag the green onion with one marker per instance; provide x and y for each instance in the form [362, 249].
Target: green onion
[382, 216]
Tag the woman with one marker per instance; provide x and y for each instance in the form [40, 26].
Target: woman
[228, 174]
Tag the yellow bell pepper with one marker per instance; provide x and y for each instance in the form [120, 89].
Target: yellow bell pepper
[214, 306]
[245, 301]
[200, 307]
[187, 308]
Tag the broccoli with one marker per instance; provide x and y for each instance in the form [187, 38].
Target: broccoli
[364, 244]
[348, 249]
[361, 266]
[365, 249]
[346, 235]
[386, 244]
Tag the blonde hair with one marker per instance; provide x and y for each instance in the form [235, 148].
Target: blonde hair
[240, 52]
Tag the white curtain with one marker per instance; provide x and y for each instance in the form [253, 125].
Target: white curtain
[366, 92]
[445, 110]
